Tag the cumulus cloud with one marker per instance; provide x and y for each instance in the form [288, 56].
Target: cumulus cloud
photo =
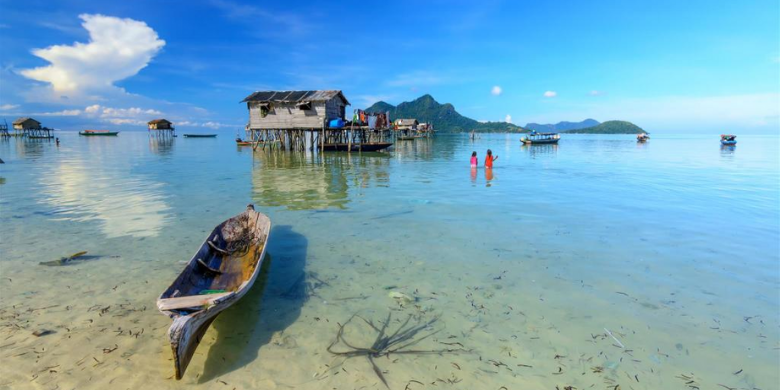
[60, 113]
[496, 90]
[508, 118]
[110, 112]
[550, 94]
[117, 49]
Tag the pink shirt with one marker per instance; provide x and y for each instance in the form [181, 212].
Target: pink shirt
[473, 161]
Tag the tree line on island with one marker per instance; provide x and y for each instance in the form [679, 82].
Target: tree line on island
[446, 120]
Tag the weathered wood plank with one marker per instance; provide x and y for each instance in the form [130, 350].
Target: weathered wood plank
[189, 301]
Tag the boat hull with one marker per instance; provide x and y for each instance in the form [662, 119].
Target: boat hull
[372, 147]
[540, 142]
[104, 134]
[222, 277]
[728, 143]
[200, 136]
[406, 138]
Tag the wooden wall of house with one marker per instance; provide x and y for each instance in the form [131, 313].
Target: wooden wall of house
[287, 116]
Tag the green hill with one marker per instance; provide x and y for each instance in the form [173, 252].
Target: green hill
[443, 116]
[610, 127]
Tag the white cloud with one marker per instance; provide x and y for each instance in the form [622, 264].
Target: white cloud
[508, 118]
[8, 107]
[60, 113]
[595, 93]
[550, 94]
[496, 90]
[117, 49]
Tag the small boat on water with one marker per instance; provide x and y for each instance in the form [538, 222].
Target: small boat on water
[218, 275]
[366, 147]
[728, 139]
[406, 138]
[40, 136]
[642, 137]
[200, 136]
[241, 142]
[540, 138]
[98, 133]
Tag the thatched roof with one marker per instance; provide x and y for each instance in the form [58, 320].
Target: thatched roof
[158, 121]
[25, 119]
[294, 96]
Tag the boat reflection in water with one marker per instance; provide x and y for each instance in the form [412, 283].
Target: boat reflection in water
[306, 181]
[536, 150]
[727, 150]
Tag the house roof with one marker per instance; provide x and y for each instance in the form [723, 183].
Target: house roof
[24, 119]
[294, 96]
[158, 121]
[406, 122]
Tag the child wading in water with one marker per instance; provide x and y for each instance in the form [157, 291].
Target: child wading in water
[474, 160]
[488, 159]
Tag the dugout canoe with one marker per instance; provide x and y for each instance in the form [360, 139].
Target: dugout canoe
[365, 147]
[218, 275]
[200, 136]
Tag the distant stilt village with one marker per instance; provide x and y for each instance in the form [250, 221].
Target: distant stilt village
[285, 120]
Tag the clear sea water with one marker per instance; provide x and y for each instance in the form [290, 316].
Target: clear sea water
[524, 274]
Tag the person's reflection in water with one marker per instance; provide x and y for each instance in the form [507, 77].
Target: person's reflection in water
[488, 177]
[474, 175]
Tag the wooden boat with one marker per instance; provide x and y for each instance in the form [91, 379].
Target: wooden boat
[406, 138]
[200, 136]
[252, 143]
[642, 137]
[218, 275]
[540, 138]
[40, 136]
[728, 139]
[98, 132]
[367, 147]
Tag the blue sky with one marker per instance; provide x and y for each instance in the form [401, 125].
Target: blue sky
[668, 66]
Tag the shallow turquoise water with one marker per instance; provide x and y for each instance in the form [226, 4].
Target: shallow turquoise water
[673, 246]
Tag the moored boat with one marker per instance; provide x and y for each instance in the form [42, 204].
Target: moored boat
[406, 138]
[642, 137]
[540, 138]
[200, 136]
[218, 275]
[728, 139]
[241, 142]
[98, 133]
[366, 147]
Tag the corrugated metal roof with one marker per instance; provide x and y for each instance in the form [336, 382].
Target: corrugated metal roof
[156, 121]
[406, 122]
[294, 96]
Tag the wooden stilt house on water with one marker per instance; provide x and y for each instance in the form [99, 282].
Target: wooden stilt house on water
[161, 128]
[31, 128]
[296, 120]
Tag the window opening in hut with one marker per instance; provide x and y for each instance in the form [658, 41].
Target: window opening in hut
[305, 106]
[265, 108]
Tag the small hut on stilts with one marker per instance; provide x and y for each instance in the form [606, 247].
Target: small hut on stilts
[31, 128]
[301, 120]
[161, 128]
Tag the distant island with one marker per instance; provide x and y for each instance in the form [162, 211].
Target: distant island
[446, 120]
[561, 126]
[609, 127]
[443, 116]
